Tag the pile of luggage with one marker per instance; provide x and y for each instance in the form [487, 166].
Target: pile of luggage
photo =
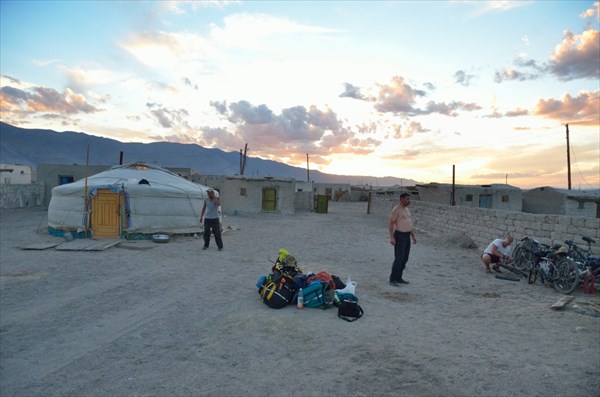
[288, 284]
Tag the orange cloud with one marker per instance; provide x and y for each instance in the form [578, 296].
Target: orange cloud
[579, 110]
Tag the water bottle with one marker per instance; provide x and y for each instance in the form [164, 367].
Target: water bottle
[300, 299]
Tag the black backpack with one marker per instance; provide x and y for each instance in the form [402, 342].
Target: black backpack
[277, 292]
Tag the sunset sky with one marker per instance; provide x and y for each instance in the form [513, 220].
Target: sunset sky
[395, 88]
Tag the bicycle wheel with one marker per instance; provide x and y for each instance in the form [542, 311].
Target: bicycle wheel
[568, 276]
[517, 256]
[528, 260]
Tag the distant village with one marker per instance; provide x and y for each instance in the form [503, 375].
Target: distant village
[20, 187]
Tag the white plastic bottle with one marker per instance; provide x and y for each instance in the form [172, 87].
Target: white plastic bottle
[300, 299]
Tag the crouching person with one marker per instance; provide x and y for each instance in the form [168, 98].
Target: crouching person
[497, 252]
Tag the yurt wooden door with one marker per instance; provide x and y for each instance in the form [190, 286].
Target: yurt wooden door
[105, 214]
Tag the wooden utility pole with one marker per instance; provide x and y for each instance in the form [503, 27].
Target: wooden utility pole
[453, 200]
[85, 191]
[243, 159]
[307, 169]
[568, 157]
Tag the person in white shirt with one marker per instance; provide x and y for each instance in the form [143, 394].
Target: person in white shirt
[211, 221]
[498, 251]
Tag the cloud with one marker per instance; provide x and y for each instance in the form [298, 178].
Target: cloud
[488, 6]
[529, 63]
[167, 118]
[462, 78]
[496, 114]
[220, 107]
[513, 74]
[414, 128]
[367, 127]
[244, 112]
[289, 134]
[410, 129]
[220, 137]
[256, 30]
[351, 91]
[44, 100]
[397, 97]
[181, 7]
[590, 12]
[13, 80]
[172, 51]
[187, 82]
[577, 56]
[450, 109]
[517, 112]
[79, 78]
[579, 110]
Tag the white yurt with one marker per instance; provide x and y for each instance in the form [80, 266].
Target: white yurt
[128, 201]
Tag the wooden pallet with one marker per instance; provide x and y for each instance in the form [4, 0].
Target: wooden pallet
[88, 245]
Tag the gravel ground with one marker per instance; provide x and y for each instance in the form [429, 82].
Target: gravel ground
[148, 319]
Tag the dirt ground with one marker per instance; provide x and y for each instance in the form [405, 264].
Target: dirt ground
[148, 319]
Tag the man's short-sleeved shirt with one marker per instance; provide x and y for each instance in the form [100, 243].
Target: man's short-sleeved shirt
[498, 243]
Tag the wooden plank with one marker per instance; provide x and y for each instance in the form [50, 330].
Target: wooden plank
[107, 244]
[562, 302]
[40, 246]
[88, 245]
[594, 306]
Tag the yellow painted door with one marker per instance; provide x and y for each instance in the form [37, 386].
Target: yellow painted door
[269, 199]
[105, 214]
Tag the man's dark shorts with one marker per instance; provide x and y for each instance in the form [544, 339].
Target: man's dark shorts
[494, 258]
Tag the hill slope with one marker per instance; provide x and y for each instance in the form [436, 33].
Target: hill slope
[37, 146]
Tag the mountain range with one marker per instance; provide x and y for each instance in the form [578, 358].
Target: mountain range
[38, 146]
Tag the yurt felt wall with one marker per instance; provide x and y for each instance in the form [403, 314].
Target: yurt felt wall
[154, 200]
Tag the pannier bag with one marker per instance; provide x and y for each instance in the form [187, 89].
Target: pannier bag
[323, 276]
[318, 294]
[350, 310]
[277, 293]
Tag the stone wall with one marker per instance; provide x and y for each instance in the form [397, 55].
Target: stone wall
[22, 196]
[483, 225]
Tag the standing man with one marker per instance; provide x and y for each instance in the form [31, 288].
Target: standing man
[401, 232]
[211, 221]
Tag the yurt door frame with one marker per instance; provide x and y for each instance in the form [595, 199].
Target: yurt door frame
[106, 216]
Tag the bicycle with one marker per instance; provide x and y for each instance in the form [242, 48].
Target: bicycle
[524, 254]
[586, 264]
[550, 268]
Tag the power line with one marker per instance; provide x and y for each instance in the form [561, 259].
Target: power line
[580, 174]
